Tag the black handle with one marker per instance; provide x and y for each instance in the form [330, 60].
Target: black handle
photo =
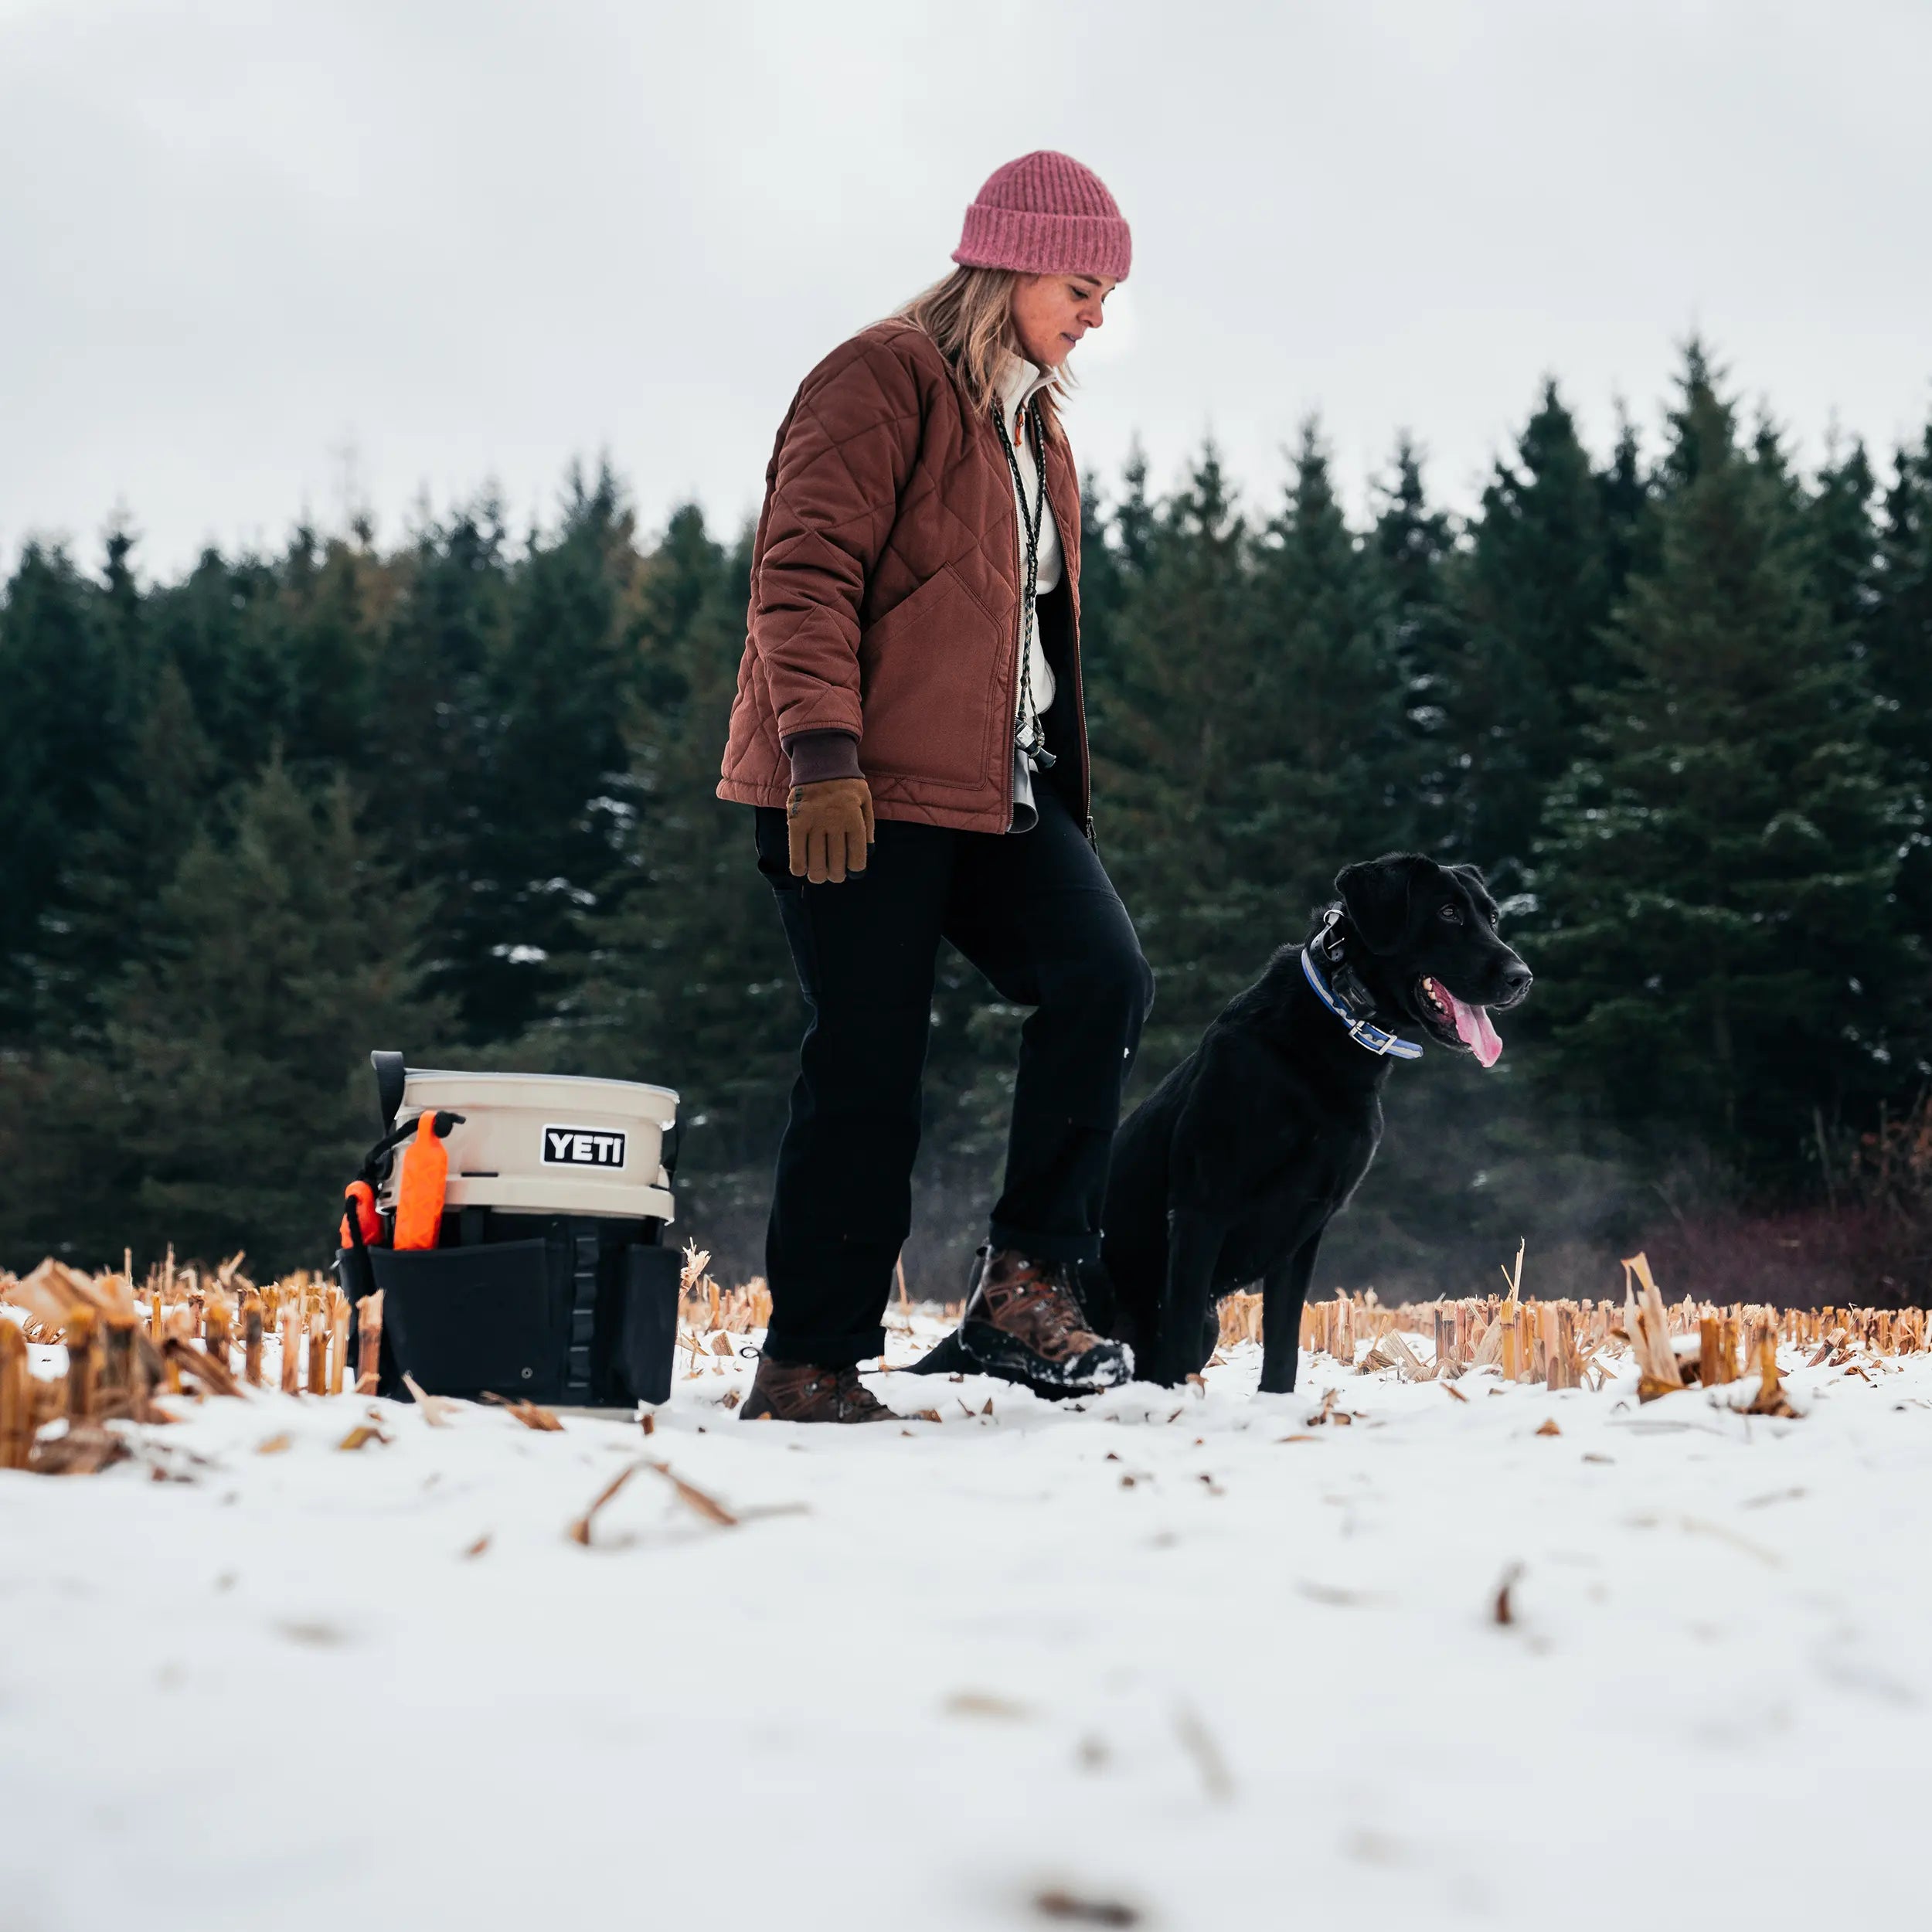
[390, 1075]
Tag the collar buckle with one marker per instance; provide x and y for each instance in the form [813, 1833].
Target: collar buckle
[1376, 1039]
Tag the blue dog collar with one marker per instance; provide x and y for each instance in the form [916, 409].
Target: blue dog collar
[1377, 1040]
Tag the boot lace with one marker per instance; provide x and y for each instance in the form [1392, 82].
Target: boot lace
[1044, 1298]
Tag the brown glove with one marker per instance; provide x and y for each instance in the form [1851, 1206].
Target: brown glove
[831, 825]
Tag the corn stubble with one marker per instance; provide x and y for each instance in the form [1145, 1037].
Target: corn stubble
[203, 1333]
[181, 1331]
[1572, 1344]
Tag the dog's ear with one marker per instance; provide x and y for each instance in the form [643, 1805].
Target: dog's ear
[1471, 876]
[1375, 894]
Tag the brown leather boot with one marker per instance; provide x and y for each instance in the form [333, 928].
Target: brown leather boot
[801, 1392]
[1023, 1322]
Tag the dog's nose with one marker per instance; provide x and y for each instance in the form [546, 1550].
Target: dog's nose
[1517, 980]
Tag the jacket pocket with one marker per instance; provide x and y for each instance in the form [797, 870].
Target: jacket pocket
[929, 679]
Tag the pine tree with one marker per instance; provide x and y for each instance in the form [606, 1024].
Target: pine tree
[1412, 543]
[429, 778]
[1898, 634]
[1534, 595]
[70, 693]
[1717, 953]
[224, 628]
[329, 622]
[1168, 773]
[1844, 544]
[153, 805]
[231, 1097]
[1625, 494]
[1329, 763]
[1414, 547]
[1900, 620]
[502, 784]
[558, 763]
[1114, 550]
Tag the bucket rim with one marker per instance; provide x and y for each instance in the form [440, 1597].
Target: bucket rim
[584, 1080]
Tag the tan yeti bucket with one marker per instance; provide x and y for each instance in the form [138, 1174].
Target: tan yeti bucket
[547, 1143]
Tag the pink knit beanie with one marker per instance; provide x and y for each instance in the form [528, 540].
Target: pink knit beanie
[1045, 215]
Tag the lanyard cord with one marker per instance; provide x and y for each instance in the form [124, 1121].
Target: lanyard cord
[1027, 732]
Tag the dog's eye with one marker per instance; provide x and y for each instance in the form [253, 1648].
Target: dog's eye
[1453, 914]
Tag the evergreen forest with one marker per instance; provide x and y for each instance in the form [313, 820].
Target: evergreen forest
[1674, 696]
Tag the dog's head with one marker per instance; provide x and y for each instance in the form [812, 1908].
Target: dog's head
[1429, 949]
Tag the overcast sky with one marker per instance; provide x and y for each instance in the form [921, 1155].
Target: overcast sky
[258, 261]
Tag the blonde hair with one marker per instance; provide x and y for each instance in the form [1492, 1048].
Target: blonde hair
[969, 315]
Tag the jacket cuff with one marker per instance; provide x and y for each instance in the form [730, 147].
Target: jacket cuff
[819, 755]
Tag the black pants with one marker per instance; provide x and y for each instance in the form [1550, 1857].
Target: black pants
[1036, 913]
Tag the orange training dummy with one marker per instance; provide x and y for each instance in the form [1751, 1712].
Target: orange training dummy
[419, 1199]
[362, 1199]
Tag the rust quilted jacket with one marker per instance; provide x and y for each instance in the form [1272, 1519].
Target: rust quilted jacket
[886, 589]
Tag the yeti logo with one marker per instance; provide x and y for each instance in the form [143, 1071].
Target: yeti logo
[582, 1147]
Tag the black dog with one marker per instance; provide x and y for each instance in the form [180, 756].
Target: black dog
[1229, 1172]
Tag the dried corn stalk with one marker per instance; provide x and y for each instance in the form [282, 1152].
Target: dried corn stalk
[48, 1296]
[1771, 1399]
[17, 1417]
[1390, 1351]
[695, 1499]
[292, 1348]
[81, 1351]
[532, 1415]
[368, 1343]
[579, 1531]
[251, 1321]
[437, 1410]
[318, 1326]
[208, 1371]
[1649, 1325]
[337, 1339]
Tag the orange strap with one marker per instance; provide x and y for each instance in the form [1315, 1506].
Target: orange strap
[419, 1199]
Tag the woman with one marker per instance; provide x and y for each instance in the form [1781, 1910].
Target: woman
[909, 724]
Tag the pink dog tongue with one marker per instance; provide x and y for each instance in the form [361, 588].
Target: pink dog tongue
[1472, 1029]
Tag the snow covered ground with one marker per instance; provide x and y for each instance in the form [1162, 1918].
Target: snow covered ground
[1179, 1662]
